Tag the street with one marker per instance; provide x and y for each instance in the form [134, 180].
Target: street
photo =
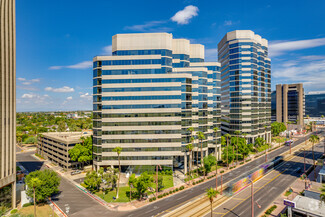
[70, 199]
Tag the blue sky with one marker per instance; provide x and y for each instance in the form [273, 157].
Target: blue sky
[56, 40]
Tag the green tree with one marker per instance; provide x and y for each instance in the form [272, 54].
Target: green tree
[209, 161]
[322, 195]
[201, 137]
[227, 136]
[160, 183]
[82, 152]
[118, 150]
[42, 185]
[132, 182]
[211, 194]
[314, 139]
[143, 182]
[259, 142]
[61, 126]
[92, 181]
[189, 147]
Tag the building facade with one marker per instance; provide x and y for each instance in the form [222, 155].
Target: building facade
[315, 104]
[55, 147]
[290, 103]
[147, 95]
[8, 103]
[245, 85]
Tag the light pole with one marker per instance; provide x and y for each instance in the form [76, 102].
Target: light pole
[305, 167]
[221, 185]
[252, 196]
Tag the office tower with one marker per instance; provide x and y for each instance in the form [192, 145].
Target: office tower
[315, 104]
[245, 85]
[146, 96]
[8, 103]
[290, 106]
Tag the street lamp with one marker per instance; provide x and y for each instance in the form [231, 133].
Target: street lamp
[252, 196]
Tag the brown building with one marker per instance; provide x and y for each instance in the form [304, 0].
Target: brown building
[7, 103]
[290, 104]
[55, 146]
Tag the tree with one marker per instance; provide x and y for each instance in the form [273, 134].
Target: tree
[259, 142]
[215, 130]
[62, 126]
[227, 137]
[189, 147]
[277, 128]
[42, 184]
[143, 182]
[118, 150]
[82, 152]
[237, 132]
[92, 181]
[160, 183]
[132, 181]
[209, 161]
[34, 182]
[201, 137]
[314, 139]
[211, 194]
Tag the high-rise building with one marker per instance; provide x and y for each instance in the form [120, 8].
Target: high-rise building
[290, 103]
[7, 103]
[245, 85]
[147, 95]
[315, 104]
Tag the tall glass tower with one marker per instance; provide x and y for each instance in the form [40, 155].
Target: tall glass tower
[146, 96]
[245, 85]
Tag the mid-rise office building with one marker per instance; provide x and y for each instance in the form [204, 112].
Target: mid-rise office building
[315, 104]
[245, 85]
[7, 103]
[290, 103]
[147, 95]
[55, 147]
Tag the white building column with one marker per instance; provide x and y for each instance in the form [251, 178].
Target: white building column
[13, 196]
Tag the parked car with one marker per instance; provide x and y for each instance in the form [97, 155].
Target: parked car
[75, 172]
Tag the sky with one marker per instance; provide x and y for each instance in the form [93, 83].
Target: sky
[57, 40]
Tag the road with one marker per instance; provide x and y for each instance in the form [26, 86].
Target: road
[170, 203]
[267, 189]
[70, 199]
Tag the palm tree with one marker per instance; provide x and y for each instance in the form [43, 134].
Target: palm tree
[118, 150]
[265, 127]
[201, 137]
[189, 147]
[211, 194]
[191, 130]
[216, 132]
[34, 182]
[314, 139]
[227, 136]
[237, 132]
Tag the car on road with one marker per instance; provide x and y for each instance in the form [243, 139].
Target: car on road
[75, 172]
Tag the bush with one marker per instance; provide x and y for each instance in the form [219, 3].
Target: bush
[28, 204]
[222, 171]
[13, 211]
[170, 192]
[160, 196]
[181, 188]
[174, 191]
[150, 200]
[154, 198]
[241, 163]
[270, 210]
[193, 183]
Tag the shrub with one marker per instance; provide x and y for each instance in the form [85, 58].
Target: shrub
[193, 183]
[222, 171]
[181, 188]
[170, 192]
[150, 200]
[270, 210]
[13, 211]
[28, 204]
[160, 196]
[241, 163]
[154, 198]
[174, 191]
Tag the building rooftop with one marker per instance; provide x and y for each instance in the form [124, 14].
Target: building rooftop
[309, 205]
[67, 137]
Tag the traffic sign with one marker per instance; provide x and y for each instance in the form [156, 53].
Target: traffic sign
[289, 203]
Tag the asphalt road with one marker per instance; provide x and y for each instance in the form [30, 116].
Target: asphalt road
[179, 199]
[267, 189]
[70, 199]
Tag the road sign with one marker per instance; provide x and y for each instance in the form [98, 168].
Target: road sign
[289, 203]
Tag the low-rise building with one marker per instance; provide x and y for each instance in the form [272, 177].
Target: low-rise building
[55, 146]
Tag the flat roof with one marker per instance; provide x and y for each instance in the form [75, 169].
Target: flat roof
[309, 205]
[67, 137]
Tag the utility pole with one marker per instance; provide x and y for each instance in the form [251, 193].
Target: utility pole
[252, 197]
[221, 185]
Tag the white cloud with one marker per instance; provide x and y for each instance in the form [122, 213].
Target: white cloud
[86, 95]
[69, 98]
[211, 54]
[28, 96]
[228, 23]
[21, 79]
[309, 72]
[151, 26]
[26, 82]
[108, 50]
[64, 89]
[279, 48]
[81, 65]
[183, 16]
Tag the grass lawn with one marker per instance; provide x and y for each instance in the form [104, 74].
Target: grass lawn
[279, 139]
[287, 193]
[168, 182]
[123, 195]
[41, 210]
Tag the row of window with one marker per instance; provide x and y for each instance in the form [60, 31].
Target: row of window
[141, 106]
[163, 61]
[183, 88]
[138, 149]
[162, 52]
[139, 132]
[147, 80]
[107, 141]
